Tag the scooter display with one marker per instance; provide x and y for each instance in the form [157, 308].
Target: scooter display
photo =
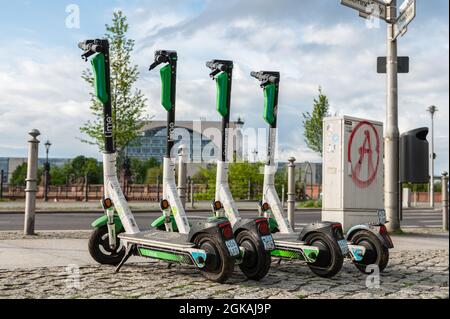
[209, 245]
[367, 244]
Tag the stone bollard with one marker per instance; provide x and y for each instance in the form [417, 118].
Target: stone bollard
[445, 201]
[291, 192]
[31, 187]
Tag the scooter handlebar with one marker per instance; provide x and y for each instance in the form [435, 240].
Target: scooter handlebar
[266, 78]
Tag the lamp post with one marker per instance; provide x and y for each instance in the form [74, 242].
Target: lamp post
[432, 110]
[47, 171]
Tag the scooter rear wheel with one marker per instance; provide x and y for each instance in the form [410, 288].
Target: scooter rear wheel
[99, 248]
[330, 259]
[219, 265]
[256, 261]
[376, 252]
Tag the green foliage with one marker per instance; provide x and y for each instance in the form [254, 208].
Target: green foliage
[153, 173]
[313, 123]
[140, 169]
[76, 170]
[19, 175]
[128, 104]
[310, 204]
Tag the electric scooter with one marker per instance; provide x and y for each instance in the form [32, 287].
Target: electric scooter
[209, 246]
[253, 235]
[326, 237]
[367, 244]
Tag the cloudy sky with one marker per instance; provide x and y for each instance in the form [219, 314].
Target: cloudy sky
[313, 43]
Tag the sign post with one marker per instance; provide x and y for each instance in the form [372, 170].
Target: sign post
[387, 11]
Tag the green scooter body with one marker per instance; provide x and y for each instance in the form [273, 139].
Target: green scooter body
[103, 221]
[98, 65]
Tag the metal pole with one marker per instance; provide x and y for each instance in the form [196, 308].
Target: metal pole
[445, 201]
[86, 188]
[192, 193]
[249, 189]
[31, 188]
[182, 174]
[391, 140]
[432, 109]
[46, 178]
[291, 192]
[158, 186]
[1, 184]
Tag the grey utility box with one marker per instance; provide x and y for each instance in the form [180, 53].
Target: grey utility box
[353, 170]
[414, 157]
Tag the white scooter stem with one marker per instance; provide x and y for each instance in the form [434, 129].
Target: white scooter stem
[114, 192]
[270, 196]
[170, 193]
[223, 193]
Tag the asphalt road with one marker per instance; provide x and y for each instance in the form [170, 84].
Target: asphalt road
[76, 221]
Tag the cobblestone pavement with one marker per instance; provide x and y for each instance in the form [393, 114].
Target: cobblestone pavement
[410, 275]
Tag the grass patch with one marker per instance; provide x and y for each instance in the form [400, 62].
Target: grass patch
[310, 204]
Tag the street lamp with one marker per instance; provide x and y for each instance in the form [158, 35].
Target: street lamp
[47, 171]
[432, 110]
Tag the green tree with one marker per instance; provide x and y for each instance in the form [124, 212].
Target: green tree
[128, 103]
[313, 124]
[140, 168]
[19, 175]
[152, 175]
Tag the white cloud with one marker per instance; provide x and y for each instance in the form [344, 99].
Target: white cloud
[338, 55]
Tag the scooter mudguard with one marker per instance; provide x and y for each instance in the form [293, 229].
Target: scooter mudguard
[329, 229]
[251, 225]
[383, 236]
[160, 221]
[103, 221]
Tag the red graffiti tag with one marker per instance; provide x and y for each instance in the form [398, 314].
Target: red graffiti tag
[365, 151]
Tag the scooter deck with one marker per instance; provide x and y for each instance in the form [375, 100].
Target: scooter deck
[159, 238]
[290, 247]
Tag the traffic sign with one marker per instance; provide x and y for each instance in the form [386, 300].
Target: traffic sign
[402, 64]
[368, 8]
[408, 13]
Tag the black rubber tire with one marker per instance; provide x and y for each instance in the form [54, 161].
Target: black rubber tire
[376, 252]
[98, 240]
[219, 265]
[330, 259]
[257, 260]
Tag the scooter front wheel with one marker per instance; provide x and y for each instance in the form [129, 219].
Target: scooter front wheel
[100, 250]
[219, 265]
[256, 261]
[329, 260]
[376, 253]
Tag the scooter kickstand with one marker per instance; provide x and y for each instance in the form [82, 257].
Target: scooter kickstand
[130, 251]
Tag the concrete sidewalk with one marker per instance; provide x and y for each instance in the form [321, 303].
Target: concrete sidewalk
[53, 249]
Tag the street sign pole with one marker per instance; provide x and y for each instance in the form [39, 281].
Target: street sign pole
[391, 142]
